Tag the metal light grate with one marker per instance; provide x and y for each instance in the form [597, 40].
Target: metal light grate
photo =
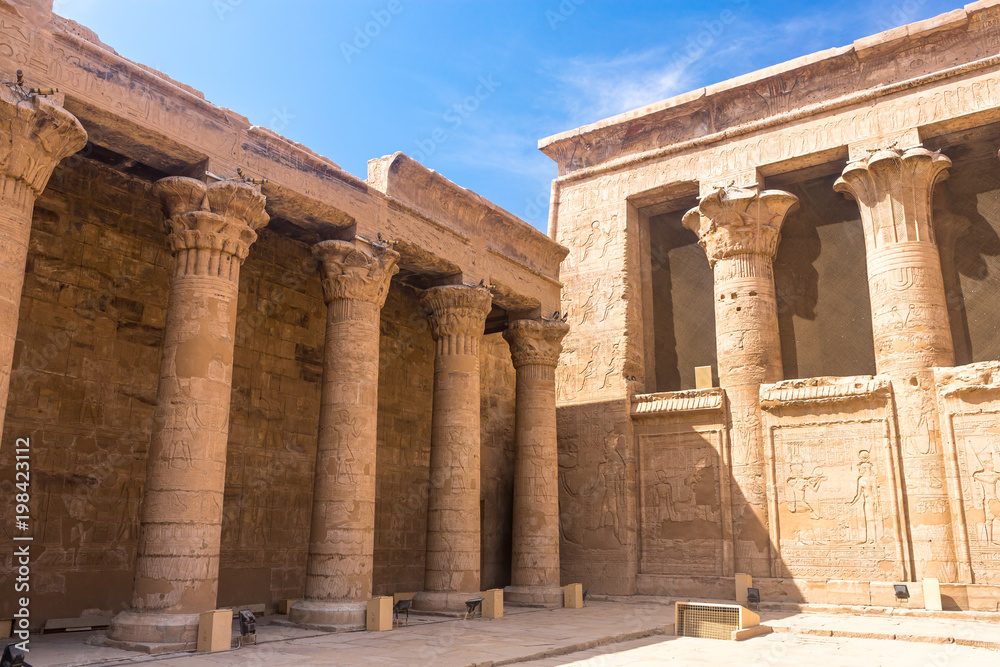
[707, 621]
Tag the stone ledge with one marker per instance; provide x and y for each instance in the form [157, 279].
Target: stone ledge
[851, 634]
[580, 646]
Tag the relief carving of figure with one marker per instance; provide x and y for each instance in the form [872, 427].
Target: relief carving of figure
[987, 479]
[663, 493]
[579, 487]
[346, 427]
[799, 484]
[744, 447]
[593, 238]
[867, 501]
[611, 475]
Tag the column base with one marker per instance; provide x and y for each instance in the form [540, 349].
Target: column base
[328, 616]
[446, 602]
[549, 597]
[152, 633]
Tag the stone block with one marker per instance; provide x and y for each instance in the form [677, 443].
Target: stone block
[932, 594]
[743, 582]
[883, 594]
[573, 596]
[379, 614]
[215, 630]
[284, 605]
[493, 603]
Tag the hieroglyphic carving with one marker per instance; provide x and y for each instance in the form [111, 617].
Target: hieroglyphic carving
[894, 190]
[35, 134]
[681, 514]
[685, 502]
[833, 500]
[595, 466]
[969, 399]
[833, 479]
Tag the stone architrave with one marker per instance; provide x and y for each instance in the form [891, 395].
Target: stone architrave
[739, 228]
[457, 315]
[355, 278]
[894, 191]
[211, 229]
[535, 346]
[35, 134]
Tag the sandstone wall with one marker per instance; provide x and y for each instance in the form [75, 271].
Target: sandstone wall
[277, 367]
[83, 385]
[84, 388]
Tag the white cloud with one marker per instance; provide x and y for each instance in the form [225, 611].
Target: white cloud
[595, 89]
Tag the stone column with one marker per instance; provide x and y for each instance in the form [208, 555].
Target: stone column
[534, 573]
[739, 229]
[35, 134]
[356, 279]
[457, 315]
[210, 231]
[912, 333]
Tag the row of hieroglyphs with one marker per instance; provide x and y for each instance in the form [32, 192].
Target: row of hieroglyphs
[921, 108]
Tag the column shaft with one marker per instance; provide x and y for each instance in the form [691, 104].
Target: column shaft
[739, 229]
[177, 564]
[535, 575]
[342, 538]
[911, 329]
[17, 201]
[458, 316]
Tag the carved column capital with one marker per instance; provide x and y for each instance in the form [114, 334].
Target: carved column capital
[740, 221]
[210, 226]
[456, 310]
[354, 271]
[535, 342]
[894, 190]
[35, 134]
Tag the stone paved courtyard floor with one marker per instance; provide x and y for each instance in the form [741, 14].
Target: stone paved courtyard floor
[604, 634]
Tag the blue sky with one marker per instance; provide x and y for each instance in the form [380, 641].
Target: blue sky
[466, 86]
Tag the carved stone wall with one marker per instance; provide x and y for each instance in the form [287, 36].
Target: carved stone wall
[277, 369]
[84, 388]
[83, 384]
[858, 476]
[597, 460]
[834, 480]
[402, 460]
[497, 459]
[685, 507]
[969, 400]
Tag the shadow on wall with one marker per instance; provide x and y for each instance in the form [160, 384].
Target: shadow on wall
[966, 224]
[658, 504]
[821, 286]
[683, 306]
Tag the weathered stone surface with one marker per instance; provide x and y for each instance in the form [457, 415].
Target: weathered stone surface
[534, 575]
[210, 229]
[95, 323]
[739, 230]
[37, 133]
[341, 545]
[457, 315]
[876, 476]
